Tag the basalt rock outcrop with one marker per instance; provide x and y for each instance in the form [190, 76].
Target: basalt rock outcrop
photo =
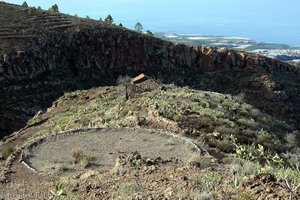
[118, 50]
[44, 54]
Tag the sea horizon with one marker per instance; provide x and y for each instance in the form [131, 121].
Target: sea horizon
[270, 21]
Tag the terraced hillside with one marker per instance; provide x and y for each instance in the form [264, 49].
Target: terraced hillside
[17, 25]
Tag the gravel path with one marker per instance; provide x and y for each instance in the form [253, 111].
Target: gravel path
[104, 146]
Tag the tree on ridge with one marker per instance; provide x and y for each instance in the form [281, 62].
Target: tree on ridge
[24, 4]
[109, 19]
[54, 8]
[138, 27]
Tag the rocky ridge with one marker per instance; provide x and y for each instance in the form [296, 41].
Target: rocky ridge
[117, 50]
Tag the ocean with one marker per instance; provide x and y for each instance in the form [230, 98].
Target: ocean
[273, 21]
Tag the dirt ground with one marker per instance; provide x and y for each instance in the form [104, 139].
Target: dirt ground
[104, 146]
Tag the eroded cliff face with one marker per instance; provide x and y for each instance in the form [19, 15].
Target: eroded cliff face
[118, 50]
[77, 55]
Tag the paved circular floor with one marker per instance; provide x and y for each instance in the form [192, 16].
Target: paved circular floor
[104, 146]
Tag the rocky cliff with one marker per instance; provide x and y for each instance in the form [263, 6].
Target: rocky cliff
[113, 49]
[44, 54]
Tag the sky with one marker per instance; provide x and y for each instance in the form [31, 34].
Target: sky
[275, 21]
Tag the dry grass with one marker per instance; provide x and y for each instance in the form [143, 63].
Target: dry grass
[6, 151]
[201, 113]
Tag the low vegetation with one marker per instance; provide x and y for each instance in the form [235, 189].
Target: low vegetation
[259, 143]
[207, 181]
[6, 152]
[127, 190]
[60, 192]
[210, 117]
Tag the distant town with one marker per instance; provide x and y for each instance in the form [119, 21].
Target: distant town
[279, 51]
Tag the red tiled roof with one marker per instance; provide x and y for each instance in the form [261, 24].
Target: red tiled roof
[139, 78]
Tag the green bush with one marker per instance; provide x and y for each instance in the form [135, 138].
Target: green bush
[30, 10]
[76, 154]
[69, 181]
[208, 181]
[85, 161]
[6, 151]
[126, 190]
[242, 169]
[291, 179]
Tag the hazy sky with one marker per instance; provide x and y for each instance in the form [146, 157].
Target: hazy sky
[265, 20]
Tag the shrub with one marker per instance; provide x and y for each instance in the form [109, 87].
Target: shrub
[30, 11]
[69, 181]
[126, 190]
[208, 181]
[227, 130]
[225, 145]
[38, 134]
[76, 154]
[85, 161]
[200, 161]
[6, 151]
[291, 178]
[292, 139]
[264, 136]
[242, 169]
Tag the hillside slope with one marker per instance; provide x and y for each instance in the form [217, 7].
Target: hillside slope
[227, 169]
[44, 54]
[239, 111]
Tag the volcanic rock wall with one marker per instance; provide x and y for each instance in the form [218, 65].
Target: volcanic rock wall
[118, 50]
